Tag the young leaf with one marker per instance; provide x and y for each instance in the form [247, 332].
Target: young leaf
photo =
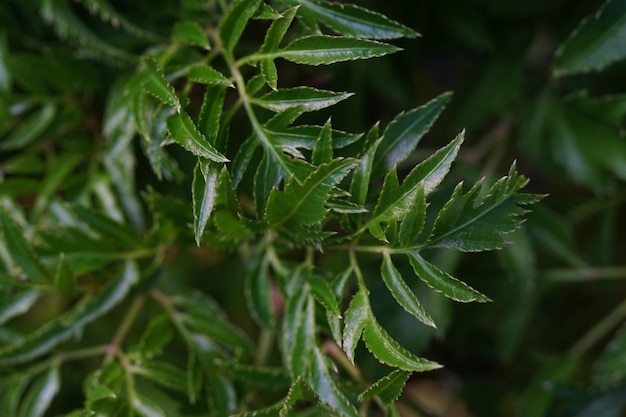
[404, 133]
[190, 33]
[357, 317]
[304, 204]
[402, 292]
[443, 282]
[309, 99]
[40, 394]
[21, 251]
[234, 21]
[17, 304]
[389, 352]
[329, 394]
[352, 20]
[323, 149]
[182, 129]
[203, 195]
[597, 42]
[388, 388]
[325, 50]
[471, 223]
[155, 84]
[274, 35]
[67, 325]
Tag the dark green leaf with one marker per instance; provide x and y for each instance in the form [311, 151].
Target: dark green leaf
[54, 180]
[402, 292]
[13, 390]
[203, 74]
[323, 293]
[156, 336]
[211, 112]
[107, 13]
[268, 176]
[323, 149]
[388, 388]
[322, 383]
[182, 129]
[40, 395]
[163, 374]
[610, 368]
[146, 407]
[413, 223]
[190, 33]
[242, 159]
[404, 133]
[30, 130]
[277, 378]
[155, 84]
[306, 136]
[357, 317]
[108, 228]
[298, 332]
[597, 42]
[64, 280]
[309, 99]
[274, 35]
[234, 21]
[22, 253]
[258, 290]
[17, 304]
[227, 213]
[203, 195]
[443, 282]
[363, 172]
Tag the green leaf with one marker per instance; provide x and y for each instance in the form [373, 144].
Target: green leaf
[329, 394]
[64, 280]
[413, 224]
[305, 137]
[17, 304]
[469, 222]
[219, 330]
[298, 332]
[40, 395]
[48, 336]
[13, 390]
[146, 407]
[277, 378]
[243, 157]
[388, 388]
[443, 282]
[234, 21]
[155, 84]
[389, 352]
[29, 130]
[108, 228]
[203, 195]
[299, 390]
[107, 13]
[274, 35]
[211, 112]
[352, 20]
[402, 292]
[204, 74]
[610, 368]
[163, 374]
[258, 290]
[323, 149]
[357, 316]
[597, 42]
[227, 213]
[156, 336]
[190, 33]
[182, 129]
[325, 50]
[404, 133]
[22, 253]
[323, 293]
[309, 99]
[303, 204]
[268, 176]
[54, 180]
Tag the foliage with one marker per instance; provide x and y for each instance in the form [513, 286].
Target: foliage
[165, 164]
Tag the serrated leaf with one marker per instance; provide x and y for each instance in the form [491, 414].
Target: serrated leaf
[309, 99]
[388, 388]
[329, 394]
[40, 395]
[242, 159]
[413, 224]
[276, 378]
[266, 12]
[402, 292]
[363, 172]
[162, 373]
[443, 282]
[48, 336]
[154, 82]
[182, 129]
[211, 112]
[305, 137]
[227, 211]
[352, 20]
[190, 33]
[271, 411]
[258, 290]
[303, 204]
[323, 149]
[357, 316]
[323, 293]
[21, 252]
[204, 74]
[203, 195]
[298, 332]
[269, 175]
[274, 35]
[469, 222]
[404, 133]
[17, 304]
[389, 352]
[146, 407]
[597, 42]
[299, 390]
[234, 21]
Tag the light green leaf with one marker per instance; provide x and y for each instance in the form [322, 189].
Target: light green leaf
[388, 388]
[329, 394]
[266, 12]
[413, 224]
[298, 332]
[310, 99]
[67, 325]
[17, 304]
[303, 204]
[204, 74]
[155, 84]
[389, 352]
[146, 407]
[402, 292]
[597, 42]
[182, 129]
[404, 133]
[352, 20]
[274, 35]
[211, 112]
[234, 21]
[357, 317]
[469, 222]
[190, 33]
[323, 149]
[258, 290]
[443, 282]
[203, 195]
[40, 395]
[22, 253]
[162, 373]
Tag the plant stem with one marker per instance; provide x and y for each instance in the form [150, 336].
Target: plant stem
[600, 330]
[124, 328]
